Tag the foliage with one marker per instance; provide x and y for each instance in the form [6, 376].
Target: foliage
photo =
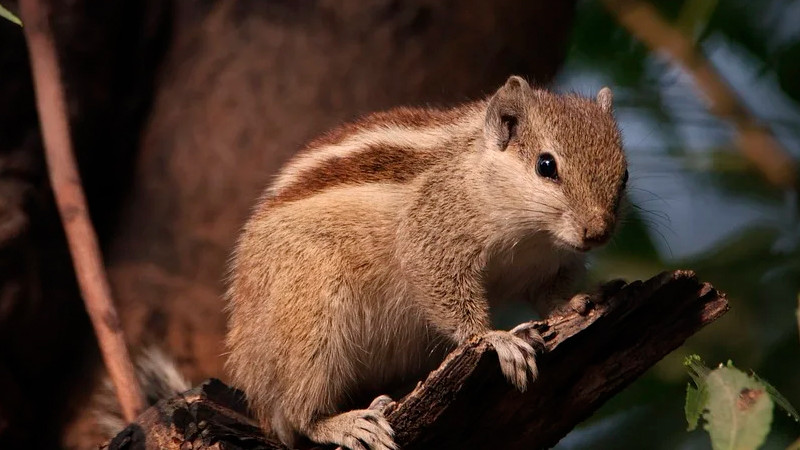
[736, 408]
[697, 395]
[6, 14]
[739, 413]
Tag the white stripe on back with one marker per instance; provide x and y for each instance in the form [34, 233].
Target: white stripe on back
[387, 134]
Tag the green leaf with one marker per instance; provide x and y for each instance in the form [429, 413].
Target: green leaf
[6, 14]
[696, 399]
[697, 369]
[697, 395]
[736, 408]
[739, 412]
[779, 399]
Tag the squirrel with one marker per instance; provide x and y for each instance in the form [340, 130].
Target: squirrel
[383, 243]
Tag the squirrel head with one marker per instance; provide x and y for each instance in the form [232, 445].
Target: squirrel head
[555, 162]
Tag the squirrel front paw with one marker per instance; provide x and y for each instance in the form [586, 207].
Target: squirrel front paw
[517, 357]
[528, 332]
[582, 303]
[364, 429]
[383, 404]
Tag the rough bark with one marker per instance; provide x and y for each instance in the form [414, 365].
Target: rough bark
[466, 402]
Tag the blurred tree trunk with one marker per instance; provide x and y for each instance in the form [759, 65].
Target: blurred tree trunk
[109, 52]
[181, 112]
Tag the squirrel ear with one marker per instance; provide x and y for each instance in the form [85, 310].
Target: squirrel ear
[505, 112]
[605, 99]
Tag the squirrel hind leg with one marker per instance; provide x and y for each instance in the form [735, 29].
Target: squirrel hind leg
[360, 429]
[281, 427]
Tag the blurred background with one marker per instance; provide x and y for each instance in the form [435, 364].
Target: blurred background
[181, 112]
[698, 199]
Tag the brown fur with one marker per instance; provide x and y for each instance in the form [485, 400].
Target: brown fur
[401, 116]
[371, 257]
[376, 164]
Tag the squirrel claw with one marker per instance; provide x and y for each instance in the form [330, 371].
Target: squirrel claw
[382, 403]
[608, 289]
[517, 357]
[528, 332]
[582, 303]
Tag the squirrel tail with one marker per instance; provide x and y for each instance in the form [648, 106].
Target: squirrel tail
[158, 377]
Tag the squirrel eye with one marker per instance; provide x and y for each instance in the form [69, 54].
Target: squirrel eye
[546, 166]
[625, 179]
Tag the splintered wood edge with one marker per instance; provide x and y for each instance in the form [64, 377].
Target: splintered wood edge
[420, 408]
[210, 415]
[157, 427]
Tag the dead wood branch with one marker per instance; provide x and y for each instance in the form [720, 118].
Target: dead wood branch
[71, 202]
[466, 402]
[755, 140]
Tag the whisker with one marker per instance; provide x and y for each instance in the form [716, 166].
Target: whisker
[666, 242]
[656, 214]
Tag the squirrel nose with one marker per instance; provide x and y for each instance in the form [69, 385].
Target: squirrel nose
[597, 230]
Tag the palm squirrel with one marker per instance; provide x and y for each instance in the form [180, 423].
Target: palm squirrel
[383, 243]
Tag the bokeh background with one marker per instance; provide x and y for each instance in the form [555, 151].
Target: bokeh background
[181, 111]
[698, 202]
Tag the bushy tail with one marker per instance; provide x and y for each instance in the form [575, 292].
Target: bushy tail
[158, 377]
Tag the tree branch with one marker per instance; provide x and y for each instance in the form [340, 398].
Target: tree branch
[71, 202]
[755, 140]
[466, 402]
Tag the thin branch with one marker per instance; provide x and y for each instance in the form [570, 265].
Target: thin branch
[755, 140]
[72, 207]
